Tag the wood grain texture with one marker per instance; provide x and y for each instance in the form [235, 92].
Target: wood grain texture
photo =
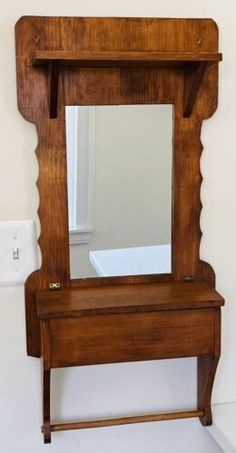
[102, 61]
[194, 66]
[139, 336]
[193, 75]
[180, 39]
[126, 299]
[83, 59]
[207, 367]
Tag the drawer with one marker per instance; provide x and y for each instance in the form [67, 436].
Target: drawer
[123, 338]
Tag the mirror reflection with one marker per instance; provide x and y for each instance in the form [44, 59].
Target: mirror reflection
[119, 167]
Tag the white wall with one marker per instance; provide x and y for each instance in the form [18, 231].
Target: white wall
[117, 388]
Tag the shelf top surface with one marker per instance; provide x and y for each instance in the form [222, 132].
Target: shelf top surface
[69, 302]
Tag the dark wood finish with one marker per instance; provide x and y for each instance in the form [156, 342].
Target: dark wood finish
[46, 406]
[139, 336]
[53, 88]
[207, 366]
[197, 38]
[126, 299]
[193, 75]
[88, 59]
[101, 61]
[91, 335]
[125, 420]
[46, 379]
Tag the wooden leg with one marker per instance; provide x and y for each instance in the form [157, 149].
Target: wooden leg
[46, 407]
[206, 374]
[46, 375]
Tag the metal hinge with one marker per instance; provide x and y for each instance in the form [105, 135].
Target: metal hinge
[188, 278]
[54, 286]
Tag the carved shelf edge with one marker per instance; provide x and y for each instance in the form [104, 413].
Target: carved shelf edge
[194, 65]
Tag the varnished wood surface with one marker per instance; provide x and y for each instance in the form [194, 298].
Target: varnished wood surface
[84, 424]
[126, 298]
[207, 366]
[55, 59]
[42, 58]
[120, 85]
[190, 94]
[139, 336]
[107, 61]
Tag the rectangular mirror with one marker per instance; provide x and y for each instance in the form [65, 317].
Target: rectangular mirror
[119, 169]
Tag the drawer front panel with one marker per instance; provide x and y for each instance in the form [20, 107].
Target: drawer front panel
[139, 336]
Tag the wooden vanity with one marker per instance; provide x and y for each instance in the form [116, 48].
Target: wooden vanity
[75, 322]
[129, 323]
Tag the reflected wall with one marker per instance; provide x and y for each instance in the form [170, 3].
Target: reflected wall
[119, 185]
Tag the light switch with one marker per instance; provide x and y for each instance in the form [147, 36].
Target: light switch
[18, 251]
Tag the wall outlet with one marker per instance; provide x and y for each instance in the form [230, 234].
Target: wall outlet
[18, 251]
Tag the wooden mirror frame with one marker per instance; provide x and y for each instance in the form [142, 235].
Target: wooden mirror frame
[65, 61]
[102, 61]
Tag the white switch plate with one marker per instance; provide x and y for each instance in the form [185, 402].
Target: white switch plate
[18, 251]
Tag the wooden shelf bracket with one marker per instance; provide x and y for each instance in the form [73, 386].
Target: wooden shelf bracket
[53, 88]
[194, 67]
[193, 76]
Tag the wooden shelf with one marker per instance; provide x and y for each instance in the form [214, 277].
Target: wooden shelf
[88, 59]
[194, 65]
[75, 302]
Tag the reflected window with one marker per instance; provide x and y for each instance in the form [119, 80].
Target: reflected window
[80, 171]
